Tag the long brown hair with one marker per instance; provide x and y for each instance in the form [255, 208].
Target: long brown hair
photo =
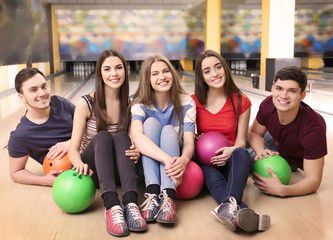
[145, 93]
[99, 95]
[230, 86]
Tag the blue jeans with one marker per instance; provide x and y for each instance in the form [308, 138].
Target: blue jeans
[269, 144]
[168, 140]
[229, 180]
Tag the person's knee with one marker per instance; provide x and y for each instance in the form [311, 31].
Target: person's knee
[151, 122]
[169, 130]
[121, 135]
[241, 155]
[151, 125]
[103, 136]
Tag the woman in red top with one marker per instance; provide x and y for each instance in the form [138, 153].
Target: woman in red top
[222, 107]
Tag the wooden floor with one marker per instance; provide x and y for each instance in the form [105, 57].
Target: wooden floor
[29, 212]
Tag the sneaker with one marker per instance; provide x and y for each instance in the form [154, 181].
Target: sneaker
[250, 221]
[167, 212]
[150, 207]
[135, 222]
[115, 222]
[227, 213]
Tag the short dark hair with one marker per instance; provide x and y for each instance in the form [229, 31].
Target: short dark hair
[24, 75]
[292, 73]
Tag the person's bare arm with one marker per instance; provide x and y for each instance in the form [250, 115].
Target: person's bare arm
[81, 115]
[257, 142]
[20, 174]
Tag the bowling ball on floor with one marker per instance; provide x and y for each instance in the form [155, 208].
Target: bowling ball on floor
[193, 180]
[208, 144]
[56, 164]
[279, 166]
[72, 192]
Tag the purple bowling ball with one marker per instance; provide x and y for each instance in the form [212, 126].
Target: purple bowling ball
[208, 144]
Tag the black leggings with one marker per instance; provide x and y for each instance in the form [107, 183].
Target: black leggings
[105, 155]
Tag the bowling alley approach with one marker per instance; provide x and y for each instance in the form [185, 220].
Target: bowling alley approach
[166, 119]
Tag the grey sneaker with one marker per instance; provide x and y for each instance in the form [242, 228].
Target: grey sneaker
[227, 213]
[250, 221]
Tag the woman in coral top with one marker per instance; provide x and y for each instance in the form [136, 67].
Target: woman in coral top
[223, 108]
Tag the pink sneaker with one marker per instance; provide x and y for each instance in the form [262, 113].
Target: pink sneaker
[115, 222]
[167, 212]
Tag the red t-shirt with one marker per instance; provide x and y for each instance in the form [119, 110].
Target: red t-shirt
[305, 137]
[224, 120]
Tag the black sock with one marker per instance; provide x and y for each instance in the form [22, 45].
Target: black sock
[110, 199]
[171, 193]
[226, 201]
[154, 189]
[130, 197]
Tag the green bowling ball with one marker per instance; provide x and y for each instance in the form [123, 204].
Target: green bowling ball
[72, 192]
[279, 166]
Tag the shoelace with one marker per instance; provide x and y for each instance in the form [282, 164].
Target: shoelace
[134, 212]
[165, 202]
[233, 205]
[150, 202]
[117, 215]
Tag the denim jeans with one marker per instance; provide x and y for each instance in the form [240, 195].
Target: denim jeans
[105, 155]
[229, 180]
[168, 140]
[269, 144]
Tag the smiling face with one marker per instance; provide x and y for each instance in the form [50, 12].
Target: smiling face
[213, 72]
[287, 96]
[161, 78]
[113, 72]
[35, 93]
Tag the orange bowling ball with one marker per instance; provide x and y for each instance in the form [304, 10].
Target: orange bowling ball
[56, 164]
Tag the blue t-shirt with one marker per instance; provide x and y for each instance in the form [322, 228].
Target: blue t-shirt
[36, 139]
[168, 116]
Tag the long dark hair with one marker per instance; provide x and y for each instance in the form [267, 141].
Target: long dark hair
[99, 102]
[230, 86]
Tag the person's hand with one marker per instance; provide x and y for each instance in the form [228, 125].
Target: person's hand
[177, 181]
[223, 155]
[133, 153]
[58, 150]
[176, 169]
[196, 137]
[265, 154]
[271, 186]
[51, 177]
[83, 168]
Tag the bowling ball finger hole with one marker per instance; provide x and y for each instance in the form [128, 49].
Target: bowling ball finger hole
[50, 164]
